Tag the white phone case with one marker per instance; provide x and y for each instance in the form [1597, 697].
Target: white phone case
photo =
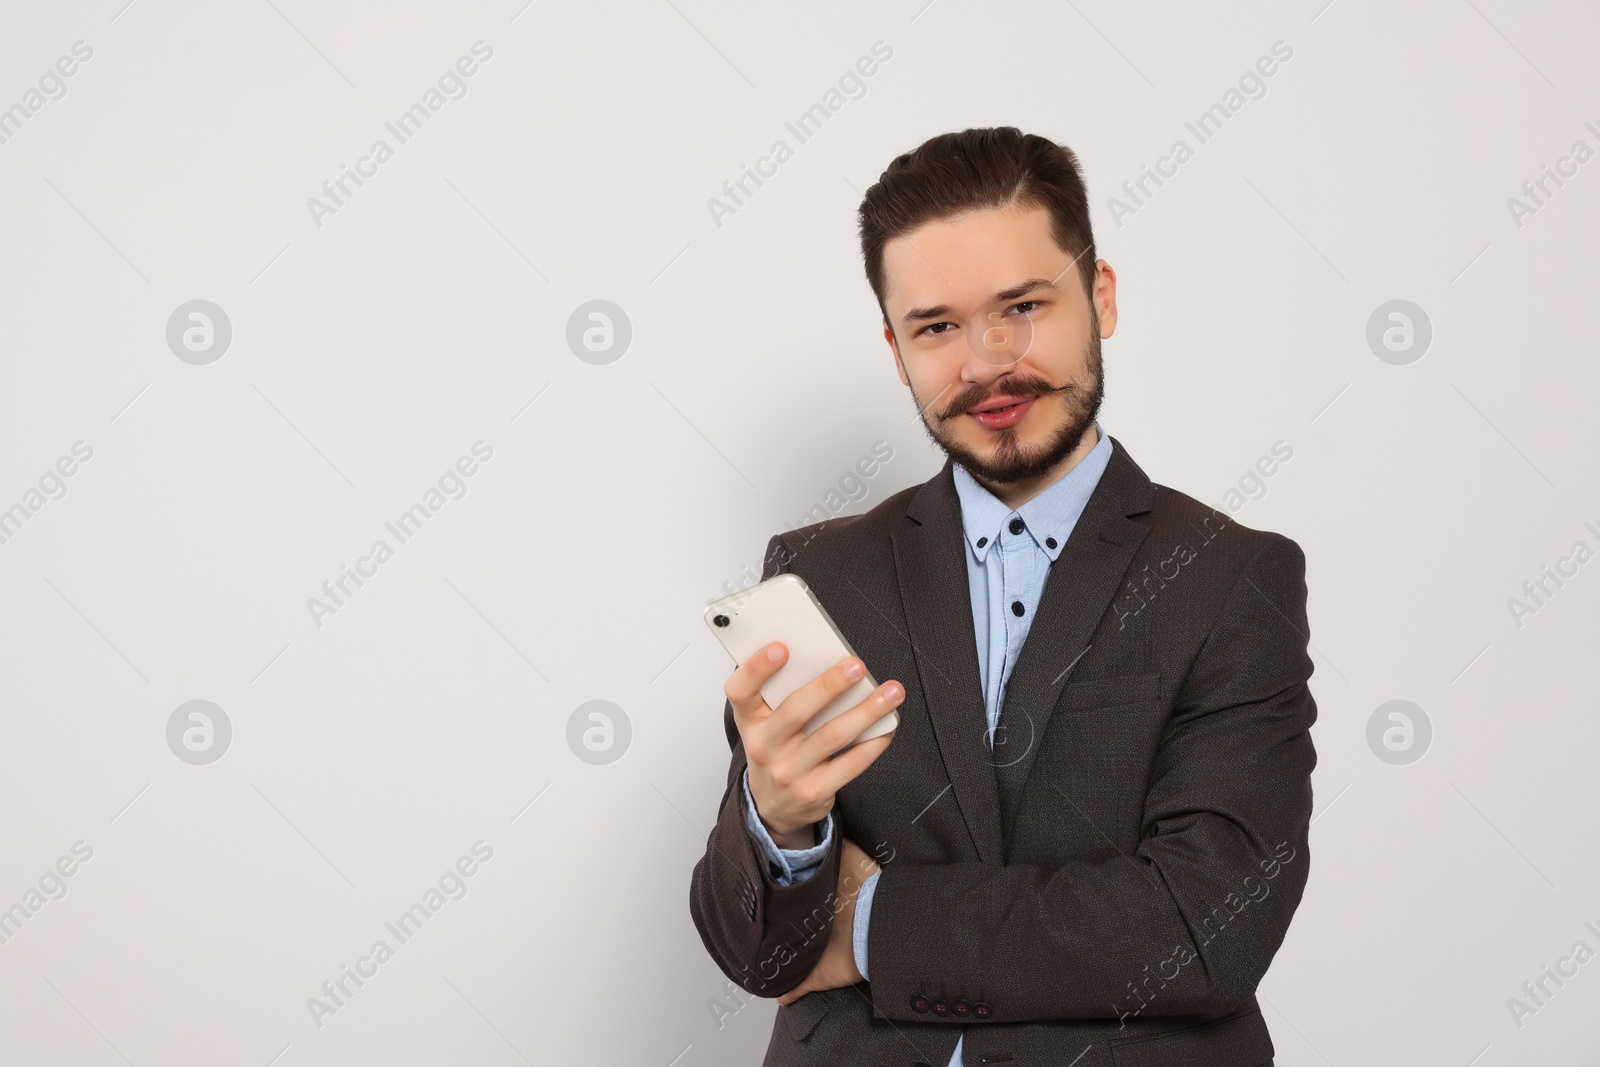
[783, 608]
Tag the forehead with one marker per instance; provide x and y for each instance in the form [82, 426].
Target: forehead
[970, 257]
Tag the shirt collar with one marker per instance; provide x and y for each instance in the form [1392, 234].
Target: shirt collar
[1048, 517]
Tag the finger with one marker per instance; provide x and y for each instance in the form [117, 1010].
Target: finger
[796, 993]
[800, 706]
[838, 732]
[834, 774]
[743, 687]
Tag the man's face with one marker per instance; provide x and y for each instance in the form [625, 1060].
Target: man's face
[985, 310]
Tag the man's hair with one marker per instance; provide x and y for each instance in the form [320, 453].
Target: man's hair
[988, 167]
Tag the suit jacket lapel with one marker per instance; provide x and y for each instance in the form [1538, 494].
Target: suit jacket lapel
[1082, 582]
[932, 573]
[934, 591]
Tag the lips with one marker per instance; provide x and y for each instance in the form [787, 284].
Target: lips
[1001, 413]
[994, 403]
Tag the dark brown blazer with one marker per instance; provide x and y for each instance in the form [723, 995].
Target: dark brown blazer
[1108, 885]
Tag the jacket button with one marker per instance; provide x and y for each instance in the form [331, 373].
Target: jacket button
[961, 1007]
[941, 1008]
[919, 1002]
[982, 1009]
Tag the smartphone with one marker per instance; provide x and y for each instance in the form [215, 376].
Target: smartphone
[783, 608]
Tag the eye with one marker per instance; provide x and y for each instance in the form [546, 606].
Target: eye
[934, 329]
[1029, 305]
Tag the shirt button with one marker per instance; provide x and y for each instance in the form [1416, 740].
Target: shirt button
[982, 541]
[919, 1002]
[1050, 542]
[982, 1009]
[1016, 526]
[1017, 609]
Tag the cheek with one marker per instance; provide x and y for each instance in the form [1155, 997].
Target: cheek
[928, 373]
[1062, 343]
[935, 397]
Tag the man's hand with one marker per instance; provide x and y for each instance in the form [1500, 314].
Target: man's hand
[837, 967]
[793, 776]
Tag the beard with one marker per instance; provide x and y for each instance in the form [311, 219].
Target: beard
[1010, 462]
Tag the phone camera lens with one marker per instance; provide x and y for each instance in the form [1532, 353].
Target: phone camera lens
[720, 620]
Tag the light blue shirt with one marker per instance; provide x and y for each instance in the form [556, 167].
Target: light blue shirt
[1006, 571]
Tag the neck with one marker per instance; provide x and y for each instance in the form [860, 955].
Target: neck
[1015, 494]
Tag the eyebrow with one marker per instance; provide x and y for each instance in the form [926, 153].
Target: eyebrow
[940, 310]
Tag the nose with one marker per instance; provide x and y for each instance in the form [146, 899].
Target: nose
[999, 339]
[992, 351]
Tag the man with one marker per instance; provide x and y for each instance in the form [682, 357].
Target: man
[1087, 835]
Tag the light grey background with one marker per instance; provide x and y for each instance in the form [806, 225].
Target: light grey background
[430, 312]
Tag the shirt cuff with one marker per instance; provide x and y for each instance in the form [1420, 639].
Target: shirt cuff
[790, 866]
[858, 932]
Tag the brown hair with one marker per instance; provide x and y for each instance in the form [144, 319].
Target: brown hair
[986, 167]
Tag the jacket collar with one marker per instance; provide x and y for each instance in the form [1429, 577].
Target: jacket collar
[1047, 518]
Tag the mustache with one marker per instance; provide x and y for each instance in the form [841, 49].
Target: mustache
[1023, 390]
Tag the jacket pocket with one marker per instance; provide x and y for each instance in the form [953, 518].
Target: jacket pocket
[1109, 692]
[796, 1021]
[1237, 1041]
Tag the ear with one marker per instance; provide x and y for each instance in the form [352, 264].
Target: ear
[899, 365]
[1105, 297]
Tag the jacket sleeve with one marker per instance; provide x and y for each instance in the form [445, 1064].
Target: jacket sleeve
[1187, 923]
[764, 936]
